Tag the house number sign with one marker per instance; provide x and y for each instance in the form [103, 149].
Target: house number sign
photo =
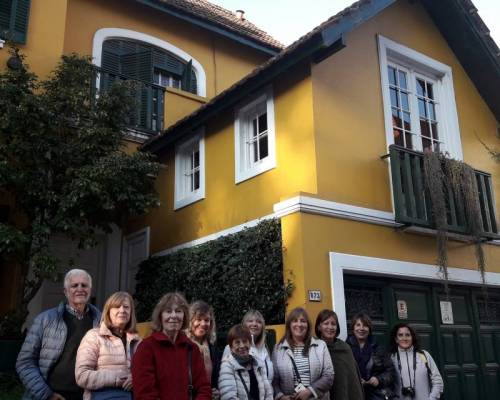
[314, 295]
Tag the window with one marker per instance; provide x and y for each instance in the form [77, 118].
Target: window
[255, 137]
[14, 16]
[419, 101]
[189, 171]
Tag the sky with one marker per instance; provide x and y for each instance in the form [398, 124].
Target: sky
[287, 20]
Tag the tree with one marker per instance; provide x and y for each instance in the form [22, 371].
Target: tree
[63, 168]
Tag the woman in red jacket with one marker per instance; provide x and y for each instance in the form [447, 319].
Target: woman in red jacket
[167, 365]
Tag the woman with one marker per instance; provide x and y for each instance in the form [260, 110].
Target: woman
[417, 374]
[202, 332]
[104, 356]
[254, 321]
[241, 376]
[167, 365]
[375, 365]
[347, 382]
[302, 365]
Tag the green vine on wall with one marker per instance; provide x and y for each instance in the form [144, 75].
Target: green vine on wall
[446, 177]
[234, 273]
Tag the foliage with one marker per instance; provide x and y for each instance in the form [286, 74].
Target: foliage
[63, 165]
[448, 177]
[234, 273]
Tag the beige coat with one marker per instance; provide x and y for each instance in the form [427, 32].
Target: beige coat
[101, 361]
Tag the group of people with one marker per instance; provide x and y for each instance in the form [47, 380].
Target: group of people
[73, 352]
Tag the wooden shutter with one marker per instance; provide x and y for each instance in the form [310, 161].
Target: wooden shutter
[186, 79]
[14, 16]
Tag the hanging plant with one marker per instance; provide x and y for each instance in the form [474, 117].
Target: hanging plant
[448, 177]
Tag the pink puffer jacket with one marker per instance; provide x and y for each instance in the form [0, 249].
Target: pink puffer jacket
[101, 361]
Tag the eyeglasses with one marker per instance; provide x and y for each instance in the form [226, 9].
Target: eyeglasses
[82, 285]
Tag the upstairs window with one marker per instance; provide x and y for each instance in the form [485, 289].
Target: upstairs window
[255, 138]
[189, 171]
[419, 101]
[14, 16]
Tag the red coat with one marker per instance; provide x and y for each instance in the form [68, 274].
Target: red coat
[160, 369]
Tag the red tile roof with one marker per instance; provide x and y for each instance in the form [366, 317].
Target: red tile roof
[225, 19]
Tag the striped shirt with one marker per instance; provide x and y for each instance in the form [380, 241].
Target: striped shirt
[302, 363]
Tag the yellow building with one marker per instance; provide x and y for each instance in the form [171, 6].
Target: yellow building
[306, 138]
[183, 53]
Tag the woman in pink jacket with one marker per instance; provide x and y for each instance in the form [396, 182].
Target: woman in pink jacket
[104, 356]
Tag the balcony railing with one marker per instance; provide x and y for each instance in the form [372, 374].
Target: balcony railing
[412, 201]
[146, 115]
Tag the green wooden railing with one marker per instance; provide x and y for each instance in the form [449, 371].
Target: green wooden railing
[147, 114]
[412, 202]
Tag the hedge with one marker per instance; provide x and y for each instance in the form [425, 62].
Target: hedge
[233, 273]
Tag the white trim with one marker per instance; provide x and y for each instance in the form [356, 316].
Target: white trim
[242, 171]
[448, 120]
[341, 262]
[116, 33]
[313, 205]
[213, 236]
[181, 199]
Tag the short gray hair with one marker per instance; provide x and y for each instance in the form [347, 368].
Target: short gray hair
[72, 272]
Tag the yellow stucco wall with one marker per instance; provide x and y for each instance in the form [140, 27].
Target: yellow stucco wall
[227, 204]
[349, 116]
[44, 44]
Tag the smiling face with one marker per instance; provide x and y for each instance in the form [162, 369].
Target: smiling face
[255, 326]
[200, 326]
[172, 318]
[120, 315]
[78, 291]
[298, 328]
[361, 331]
[404, 338]
[241, 347]
[328, 329]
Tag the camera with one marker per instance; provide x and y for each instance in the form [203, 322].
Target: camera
[408, 391]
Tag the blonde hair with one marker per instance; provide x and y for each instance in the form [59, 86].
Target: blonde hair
[165, 302]
[259, 341]
[114, 301]
[199, 309]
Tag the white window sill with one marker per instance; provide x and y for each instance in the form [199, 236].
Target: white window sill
[197, 196]
[256, 170]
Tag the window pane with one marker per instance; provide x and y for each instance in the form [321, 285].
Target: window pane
[426, 144]
[254, 127]
[424, 128]
[407, 124]
[392, 75]
[432, 111]
[196, 159]
[420, 87]
[421, 108]
[409, 143]
[434, 131]
[402, 80]
[263, 147]
[255, 151]
[196, 180]
[404, 101]
[394, 97]
[396, 119]
[263, 123]
[430, 91]
[398, 137]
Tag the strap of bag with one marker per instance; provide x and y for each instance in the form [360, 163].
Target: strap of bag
[244, 385]
[190, 373]
[429, 373]
[295, 369]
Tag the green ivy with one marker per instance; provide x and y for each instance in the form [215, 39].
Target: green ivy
[234, 273]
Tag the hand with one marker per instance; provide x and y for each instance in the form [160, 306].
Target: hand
[215, 394]
[373, 381]
[303, 395]
[127, 383]
[56, 396]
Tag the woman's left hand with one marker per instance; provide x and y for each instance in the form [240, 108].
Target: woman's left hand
[127, 383]
[303, 395]
[215, 394]
[373, 381]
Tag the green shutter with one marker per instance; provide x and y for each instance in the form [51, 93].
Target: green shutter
[186, 80]
[14, 16]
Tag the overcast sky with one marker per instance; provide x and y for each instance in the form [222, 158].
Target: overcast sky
[287, 20]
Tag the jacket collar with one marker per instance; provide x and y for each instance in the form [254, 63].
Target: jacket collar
[105, 331]
[286, 346]
[181, 339]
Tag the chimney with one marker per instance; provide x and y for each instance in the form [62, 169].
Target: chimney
[240, 14]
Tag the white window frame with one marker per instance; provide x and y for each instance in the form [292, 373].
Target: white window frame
[104, 34]
[183, 196]
[244, 169]
[441, 74]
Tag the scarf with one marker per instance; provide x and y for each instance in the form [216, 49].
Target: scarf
[244, 361]
[362, 355]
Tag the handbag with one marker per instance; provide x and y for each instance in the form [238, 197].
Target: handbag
[111, 394]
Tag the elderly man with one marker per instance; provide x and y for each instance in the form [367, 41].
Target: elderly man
[46, 362]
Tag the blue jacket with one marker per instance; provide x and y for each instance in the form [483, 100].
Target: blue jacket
[41, 349]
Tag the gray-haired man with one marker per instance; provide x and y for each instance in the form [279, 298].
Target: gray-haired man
[46, 362]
